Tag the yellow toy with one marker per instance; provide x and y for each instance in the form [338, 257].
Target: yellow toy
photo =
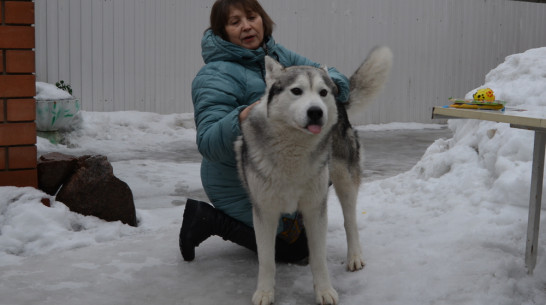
[482, 99]
[486, 95]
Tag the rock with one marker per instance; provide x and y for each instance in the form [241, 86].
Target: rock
[94, 190]
[46, 202]
[53, 170]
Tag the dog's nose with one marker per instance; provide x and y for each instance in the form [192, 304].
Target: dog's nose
[314, 113]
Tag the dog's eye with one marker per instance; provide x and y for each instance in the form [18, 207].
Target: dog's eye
[323, 92]
[296, 91]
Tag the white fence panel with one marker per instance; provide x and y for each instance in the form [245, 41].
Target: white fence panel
[143, 54]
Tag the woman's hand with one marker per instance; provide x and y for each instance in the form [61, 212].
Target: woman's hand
[244, 114]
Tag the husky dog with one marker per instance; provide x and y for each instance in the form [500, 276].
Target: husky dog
[294, 141]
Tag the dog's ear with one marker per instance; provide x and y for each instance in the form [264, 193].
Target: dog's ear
[328, 80]
[272, 68]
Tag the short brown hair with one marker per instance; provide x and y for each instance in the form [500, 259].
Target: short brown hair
[219, 15]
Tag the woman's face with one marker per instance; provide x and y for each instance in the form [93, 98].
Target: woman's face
[245, 29]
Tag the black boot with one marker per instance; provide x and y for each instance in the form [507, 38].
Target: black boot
[201, 220]
[296, 252]
[291, 244]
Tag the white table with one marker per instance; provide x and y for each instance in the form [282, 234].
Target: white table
[523, 120]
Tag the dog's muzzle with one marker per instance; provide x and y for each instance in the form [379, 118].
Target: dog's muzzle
[314, 119]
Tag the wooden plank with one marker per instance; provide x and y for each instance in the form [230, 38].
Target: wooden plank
[509, 117]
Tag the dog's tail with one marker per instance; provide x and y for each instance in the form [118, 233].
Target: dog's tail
[369, 78]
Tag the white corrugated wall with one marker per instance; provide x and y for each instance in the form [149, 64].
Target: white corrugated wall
[143, 54]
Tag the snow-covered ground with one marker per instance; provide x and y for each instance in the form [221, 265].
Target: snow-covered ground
[450, 230]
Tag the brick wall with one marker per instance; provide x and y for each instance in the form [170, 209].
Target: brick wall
[17, 89]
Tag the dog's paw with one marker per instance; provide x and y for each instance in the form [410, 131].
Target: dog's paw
[263, 297]
[355, 262]
[327, 296]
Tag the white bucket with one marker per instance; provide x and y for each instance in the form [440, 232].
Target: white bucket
[53, 115]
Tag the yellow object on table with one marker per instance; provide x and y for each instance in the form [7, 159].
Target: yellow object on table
[484, 95]
[482, 99]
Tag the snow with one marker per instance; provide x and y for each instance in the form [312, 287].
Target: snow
[520, 79]
[45, 91]
[397, 126]
[451, 230]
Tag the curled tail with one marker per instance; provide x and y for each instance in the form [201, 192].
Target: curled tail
[369, 78]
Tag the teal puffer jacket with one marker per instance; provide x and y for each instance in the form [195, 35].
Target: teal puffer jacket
[232, 79]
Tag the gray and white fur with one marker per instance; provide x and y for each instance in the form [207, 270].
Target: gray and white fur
[294, 141]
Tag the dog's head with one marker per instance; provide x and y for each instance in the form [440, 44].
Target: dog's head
[301, 97]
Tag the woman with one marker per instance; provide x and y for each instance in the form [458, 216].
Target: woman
[223, 92]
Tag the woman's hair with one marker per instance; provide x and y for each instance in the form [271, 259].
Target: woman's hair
[219, 16]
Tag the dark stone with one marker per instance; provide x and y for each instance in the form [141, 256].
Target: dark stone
[94, 190]
[46, 202]
[53, 170]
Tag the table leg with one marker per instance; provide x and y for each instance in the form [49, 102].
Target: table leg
[535, 201]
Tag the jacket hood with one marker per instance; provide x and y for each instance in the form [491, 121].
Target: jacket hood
[214, 48]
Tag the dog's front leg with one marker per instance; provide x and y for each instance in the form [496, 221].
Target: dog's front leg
[265, 226]
[315, 222]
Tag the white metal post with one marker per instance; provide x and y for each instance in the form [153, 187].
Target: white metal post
[535, 201]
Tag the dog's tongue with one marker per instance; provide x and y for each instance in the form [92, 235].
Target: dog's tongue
[314, 129]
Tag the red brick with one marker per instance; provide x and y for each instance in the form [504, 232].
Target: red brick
[19, 12]
[19, 178]
[22, 157]
[2, 117]
[2, 158]
[16, 37]
[21, 110]
[20, 61]
[17, 134]
[17, 85]
[1, 58]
